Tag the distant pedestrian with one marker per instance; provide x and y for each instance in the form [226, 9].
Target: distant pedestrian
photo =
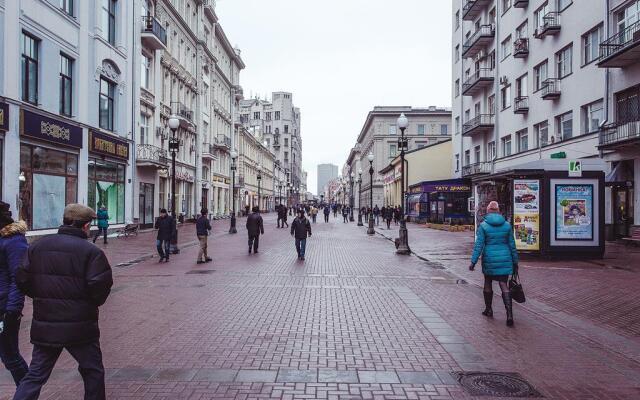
[326, 212]
[203, 227]
[388, 216]
[68, 278]
[335, 210]
[255, 228]
[397, 215]
[165, 224]
[103, 224]
[345, 214]
[300, 230]
[376, 214]
[13, 247]
[314, 214]
[497, 246]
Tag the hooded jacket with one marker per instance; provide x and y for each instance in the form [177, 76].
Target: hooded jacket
[13, 247]
[497, 246]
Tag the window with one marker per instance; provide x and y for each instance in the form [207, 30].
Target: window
[467, 157]
[627, 17]
[506, 146]
[106, 188]
[491, 151]
[105, 112]
[67, 6]
[457, 162]
[563, 4]
[286, 129]
[476, 154]
[591, 45]
[564, 126]
[467, 115]
[109, 20]
[522, 32]
[628, 105]
[444, 129]
[491, 104]
[144, 129]
[392, 150]
[592, 116]
[457, 125]
[145, 72]
[505, 94]
[457, 21]
[506, 5]
[267, 116]
[457, 87]
[256, 115]
[521, 86]
[457, 53]
[541, 132]
[66, 85]
[29, 66]
[286, 142]
[277, 115]
[523, 140]
[564, 62]
[421, 129]
[541, 73]
[505, 47]
[540, 14]
[392, 130]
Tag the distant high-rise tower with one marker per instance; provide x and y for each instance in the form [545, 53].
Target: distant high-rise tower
[326, 172]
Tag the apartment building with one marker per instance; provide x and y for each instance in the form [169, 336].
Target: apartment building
[256, 180]
[379, 135]
[66, 127]
[326, 173]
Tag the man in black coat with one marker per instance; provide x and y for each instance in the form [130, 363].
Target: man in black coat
[326, 212]
[165, 224]
[68, 278]
[282, 213]
[255, 227]
[300, 227]
[345, 214]
[203, 227]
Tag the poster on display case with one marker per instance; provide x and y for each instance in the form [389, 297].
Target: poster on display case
[526, 214]
[574, 212]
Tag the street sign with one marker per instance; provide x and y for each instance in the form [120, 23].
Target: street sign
[575, 169]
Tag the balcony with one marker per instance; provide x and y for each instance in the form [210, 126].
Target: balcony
[151, 156]
[622, 49]
[551, 89]
[620, 135]
[478, 41]
[473, 8]
[208, 151]
[184, 114]
[520, 3]
[521, 105]
[210, 8]
[550, 25]
[482, 123]
[480, 168]
[153, 35]
[222, 142]
[276, 144]
[521, 48]
[477, 82]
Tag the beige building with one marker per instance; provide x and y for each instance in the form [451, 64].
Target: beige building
[254, 160]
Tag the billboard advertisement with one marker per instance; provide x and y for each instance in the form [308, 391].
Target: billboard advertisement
[574, 212]
[526, 214]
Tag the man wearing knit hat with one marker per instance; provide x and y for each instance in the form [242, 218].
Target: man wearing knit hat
[68, 278]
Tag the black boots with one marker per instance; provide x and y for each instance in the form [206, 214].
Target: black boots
[488, 298]
[508, 305]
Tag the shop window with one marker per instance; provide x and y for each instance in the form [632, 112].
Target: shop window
[106, 188]
[50, 183]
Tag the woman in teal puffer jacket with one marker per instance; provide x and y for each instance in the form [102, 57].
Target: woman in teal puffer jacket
[497, 246]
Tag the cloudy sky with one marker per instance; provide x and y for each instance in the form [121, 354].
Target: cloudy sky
[340, 58]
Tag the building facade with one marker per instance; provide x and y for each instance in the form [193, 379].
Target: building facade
[256, 173]
[326, 172]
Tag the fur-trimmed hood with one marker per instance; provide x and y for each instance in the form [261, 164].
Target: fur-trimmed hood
[16, 228]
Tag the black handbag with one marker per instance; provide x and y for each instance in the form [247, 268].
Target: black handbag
[515, 287]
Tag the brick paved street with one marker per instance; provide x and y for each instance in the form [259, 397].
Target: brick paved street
[354, 321]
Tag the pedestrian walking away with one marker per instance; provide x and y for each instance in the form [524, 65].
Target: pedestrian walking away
[165, 225]
[283, 216]
[335, 210]
[497, 247]
[103, 224]
[314, 214]
[345, 214]
[326, 212]
[13, 247]
[68, 279]
[203, 227]
[300, 230]
[255, 228]
[388, 217]
[376, 215]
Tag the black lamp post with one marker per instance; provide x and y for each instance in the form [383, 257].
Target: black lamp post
[351, 181]
[259, 180]
[279, 193]
[232, 228]
[174, 146]
[371, 230]
[403, 247]
[289, 199]
[360, 198]
[344, 192]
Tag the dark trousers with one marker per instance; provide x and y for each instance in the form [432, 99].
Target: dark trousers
[301, 246]
[9, 350]
[44, 358]
[102, 231]
[254, 241]
[345, 218]
[326, 218]
[388, 224]
[313, 218]
[163, 248]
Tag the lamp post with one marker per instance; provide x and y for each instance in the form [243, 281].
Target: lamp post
[289, 189]
[403, 246]
[174, 146]
[371, 230]
[351, 181]
[360, 197]
[234, 156]
[344, 192]
[279, 193]
[259, 180]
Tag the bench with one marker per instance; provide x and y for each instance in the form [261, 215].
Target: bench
[128, 230]
[634, 237]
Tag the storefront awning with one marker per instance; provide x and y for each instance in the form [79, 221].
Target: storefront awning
[622, 172]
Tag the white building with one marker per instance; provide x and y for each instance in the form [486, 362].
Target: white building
[326, 172]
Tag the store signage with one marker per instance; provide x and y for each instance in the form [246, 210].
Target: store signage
[108, 145]
[574, 212]
[526, 213]
[40, 127]
[445, 187]
[575, 169]
[4, 117]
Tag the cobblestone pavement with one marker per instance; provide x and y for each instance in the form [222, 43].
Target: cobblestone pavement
[354, 321]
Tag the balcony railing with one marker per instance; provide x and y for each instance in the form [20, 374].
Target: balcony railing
[208, 150]
[473, 8]
[617, 134]
[480, 124]
[153, 34]
[521, 105]
[147, 153]
[480, 38]
[621, 49]
[181, 110]
[223, 141]
[550, 25]
[551, 89]
[479, 168]
[480, 79]
[520, 3]
[521, 47]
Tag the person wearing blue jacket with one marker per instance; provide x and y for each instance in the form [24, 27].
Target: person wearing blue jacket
[103, 224]
[13, 247]
[497, 246]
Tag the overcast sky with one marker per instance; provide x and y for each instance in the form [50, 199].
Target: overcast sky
[340, 58]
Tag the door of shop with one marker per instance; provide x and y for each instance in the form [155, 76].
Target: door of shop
[146, 205]
[622, 211]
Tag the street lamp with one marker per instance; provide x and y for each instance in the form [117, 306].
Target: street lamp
[371, 230]
[259, 179]
[279, 193]
[351, 181]
[234, 156]
[360, 197]
[174, 146]
[289, 190]
[403, 246]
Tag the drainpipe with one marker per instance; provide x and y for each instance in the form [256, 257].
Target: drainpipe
[133, 114]
[496, 91]
[461, 133]
[607, 29]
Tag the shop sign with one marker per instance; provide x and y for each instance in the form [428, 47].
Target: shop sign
[108, 145]
[4, 117]
[575, 169]
[574, 212]
[40, 127]
[526, 213]
[445, 187]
